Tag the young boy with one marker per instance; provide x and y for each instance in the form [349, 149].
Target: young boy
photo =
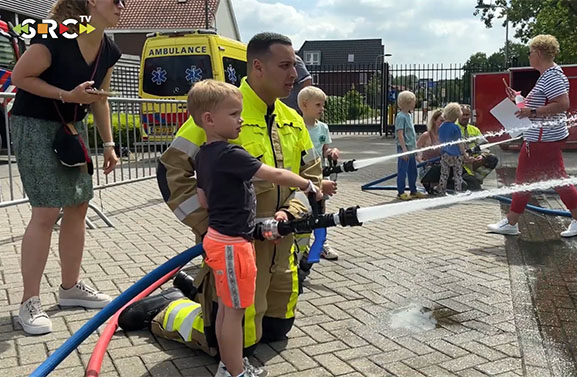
[452, 156]
[312, 104]
[224, 174]
[406, 141]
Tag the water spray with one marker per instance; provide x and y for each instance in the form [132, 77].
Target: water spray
[376, 160]
[356, 216]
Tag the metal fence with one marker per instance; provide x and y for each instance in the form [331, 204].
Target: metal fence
[125, 77]
[142, 129]
[361, 99]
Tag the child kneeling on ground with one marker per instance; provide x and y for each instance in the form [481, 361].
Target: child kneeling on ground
[224, 173]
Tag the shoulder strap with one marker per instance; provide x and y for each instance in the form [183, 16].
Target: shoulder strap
[91, 78]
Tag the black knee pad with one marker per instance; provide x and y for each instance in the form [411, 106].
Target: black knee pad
[275, 329]
[490, 161]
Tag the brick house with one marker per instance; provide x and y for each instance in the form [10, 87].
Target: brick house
[337, 66]
[149, 16]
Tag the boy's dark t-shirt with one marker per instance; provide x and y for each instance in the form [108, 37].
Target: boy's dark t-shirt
[224, 172]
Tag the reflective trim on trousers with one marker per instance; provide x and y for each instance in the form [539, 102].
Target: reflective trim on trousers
[185, 328]
[173, 310]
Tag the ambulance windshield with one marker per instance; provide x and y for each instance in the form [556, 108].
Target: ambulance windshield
[172, 76]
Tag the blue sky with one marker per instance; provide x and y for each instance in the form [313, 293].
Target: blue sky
[413, 31]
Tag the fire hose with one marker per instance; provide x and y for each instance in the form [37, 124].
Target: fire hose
[316, 223]
[334, 168]
[272, 229]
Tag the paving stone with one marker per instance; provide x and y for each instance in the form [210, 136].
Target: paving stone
[368, 368]
[462, 362]
[334, 365]
[299, 359]
[324, 348]
[436, 371]
[131, 366]
[481, 290]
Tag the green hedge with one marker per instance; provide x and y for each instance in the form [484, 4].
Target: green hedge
[356, 106]
[351, 106]
[122, 123]
[335, 111]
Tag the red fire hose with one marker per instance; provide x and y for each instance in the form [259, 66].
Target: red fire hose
[95, 363]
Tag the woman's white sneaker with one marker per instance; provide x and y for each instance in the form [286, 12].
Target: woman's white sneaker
[32, 318]
[503, 227]
[82, 295]
[571, 230]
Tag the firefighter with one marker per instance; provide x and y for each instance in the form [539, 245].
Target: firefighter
[277, 136]
[484, 162]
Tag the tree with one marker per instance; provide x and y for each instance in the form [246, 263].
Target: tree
[532, 17]
[518, 56]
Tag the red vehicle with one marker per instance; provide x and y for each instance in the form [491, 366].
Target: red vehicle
[11, 47]
[488, 90]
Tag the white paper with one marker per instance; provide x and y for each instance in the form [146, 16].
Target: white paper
[505, 114]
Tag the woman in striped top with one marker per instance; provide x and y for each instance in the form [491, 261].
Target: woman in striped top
[540, 157]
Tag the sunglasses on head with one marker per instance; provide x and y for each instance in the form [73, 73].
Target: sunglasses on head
[122, 2]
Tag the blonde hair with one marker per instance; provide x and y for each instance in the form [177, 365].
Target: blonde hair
[207, 95]
[452, 112]
[547, 44]
[310, 92]
[405, 98]
[65, 9]
[434, 116]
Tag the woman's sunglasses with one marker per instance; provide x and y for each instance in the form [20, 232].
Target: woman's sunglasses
[122, 2]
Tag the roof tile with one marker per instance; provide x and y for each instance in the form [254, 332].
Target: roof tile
[165, 14]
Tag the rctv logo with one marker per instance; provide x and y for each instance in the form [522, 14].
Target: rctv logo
[51, 29]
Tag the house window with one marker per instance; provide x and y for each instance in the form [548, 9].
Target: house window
[312, 58]
[363, 78]
[351, 58]
[315, 77]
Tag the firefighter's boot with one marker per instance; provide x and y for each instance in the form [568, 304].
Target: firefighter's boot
[138, 315]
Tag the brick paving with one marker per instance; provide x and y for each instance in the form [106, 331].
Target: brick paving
[504, 306]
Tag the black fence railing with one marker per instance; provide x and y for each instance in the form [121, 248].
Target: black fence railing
[361, 99]
[353, 96]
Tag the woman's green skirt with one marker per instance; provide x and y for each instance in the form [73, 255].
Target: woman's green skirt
[46, 181]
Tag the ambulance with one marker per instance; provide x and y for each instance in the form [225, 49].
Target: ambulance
[170, 64]
[488, 90]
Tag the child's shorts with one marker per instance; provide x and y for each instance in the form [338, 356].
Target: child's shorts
[233, 263]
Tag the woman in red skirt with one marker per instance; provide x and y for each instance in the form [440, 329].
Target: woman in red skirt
[540, 158]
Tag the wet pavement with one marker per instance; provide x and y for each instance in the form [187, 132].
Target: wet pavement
[504, 306]
[544, 273]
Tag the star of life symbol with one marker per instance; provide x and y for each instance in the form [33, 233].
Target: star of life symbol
[159, 76]
[193, 74]
[231, 73]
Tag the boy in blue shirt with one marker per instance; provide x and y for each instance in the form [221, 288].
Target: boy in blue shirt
[452, 156]
[312, 105]
[406, 141]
